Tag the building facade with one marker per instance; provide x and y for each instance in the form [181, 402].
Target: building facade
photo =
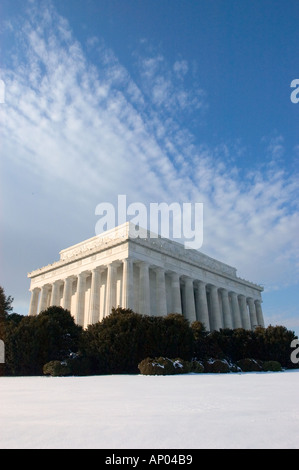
[150, 275]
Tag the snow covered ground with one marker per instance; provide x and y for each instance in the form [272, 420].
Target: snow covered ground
[193, 411]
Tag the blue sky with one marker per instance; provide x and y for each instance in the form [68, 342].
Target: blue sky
[164, 101]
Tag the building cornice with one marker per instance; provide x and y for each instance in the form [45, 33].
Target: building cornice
[127, 233]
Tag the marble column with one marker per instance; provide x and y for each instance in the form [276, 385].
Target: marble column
[161, 302]
[44, 297]
[55, 296]
[190, 312]
[215, 320]
[202, 305]
[259, 313]
[67, 294]
[94, 312]
[110, 288]
[236, 311]
[144, 289]
[244, 312]
[34, 301]
[227, 314]
[80, 301]
[176, 293]
[252, 313]
[127, 284]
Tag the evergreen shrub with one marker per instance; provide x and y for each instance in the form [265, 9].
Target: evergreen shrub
[32, 341]
[56, 369]
[197, 367]
[118, 343]
[163, 366]
[250, 365]
[216, 366]
[79, 364]
[273, 366]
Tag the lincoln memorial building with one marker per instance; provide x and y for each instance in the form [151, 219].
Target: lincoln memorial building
[152, 276]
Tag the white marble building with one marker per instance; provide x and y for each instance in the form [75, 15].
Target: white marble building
[152, 276]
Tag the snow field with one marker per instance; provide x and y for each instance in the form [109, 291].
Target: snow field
[189, 411]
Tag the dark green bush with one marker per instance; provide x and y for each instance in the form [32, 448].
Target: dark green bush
[250, 365]
[234, 367]
[216, 366]
[117, 344]
[197, 367]
[273, 366]
[123, 339]
[156, 366]
[56, 369]
[163, 366]
[36, 340]
[79, 364]
[273, 344]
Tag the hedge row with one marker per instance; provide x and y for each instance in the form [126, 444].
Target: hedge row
[122, 340]
[167, 366]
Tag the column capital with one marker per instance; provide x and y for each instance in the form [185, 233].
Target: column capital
[84, 274]
[72, 277]
[35, 289]
[46, 286]
[97, 269]
[158, 269]
[143, 263]
[175, 276]
[188, 278]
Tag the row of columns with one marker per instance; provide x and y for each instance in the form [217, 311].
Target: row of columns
[215, 307]
[49, 294]
[231, 310]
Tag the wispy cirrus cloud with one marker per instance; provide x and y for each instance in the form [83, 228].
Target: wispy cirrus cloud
[89, 131]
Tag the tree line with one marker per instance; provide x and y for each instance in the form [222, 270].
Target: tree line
[122, 340]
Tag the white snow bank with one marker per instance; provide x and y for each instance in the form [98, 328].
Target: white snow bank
[193, 411]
